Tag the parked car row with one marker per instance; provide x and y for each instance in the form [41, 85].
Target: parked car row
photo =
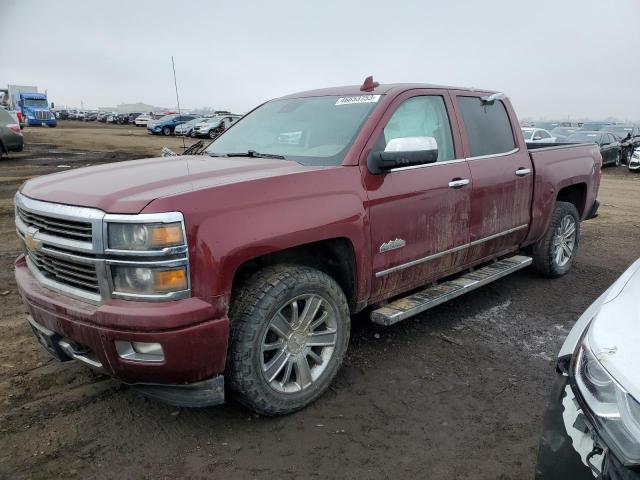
[192, 125]
[617, 142]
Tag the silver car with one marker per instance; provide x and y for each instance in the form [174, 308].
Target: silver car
[10, 135]
[593, 422]
[186, 129]
[214, 126]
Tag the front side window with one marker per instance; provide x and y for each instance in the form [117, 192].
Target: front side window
[488, 126]
[424, 116]
[308, 130]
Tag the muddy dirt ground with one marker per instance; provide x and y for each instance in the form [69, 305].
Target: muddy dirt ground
[458, 392]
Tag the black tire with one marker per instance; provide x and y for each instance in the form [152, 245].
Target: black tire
[212, 134]
[262, 296]
[544, 259]
[618, 159]
[166, 130]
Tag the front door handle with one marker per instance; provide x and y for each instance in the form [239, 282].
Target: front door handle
[458, 182]
[523, 172]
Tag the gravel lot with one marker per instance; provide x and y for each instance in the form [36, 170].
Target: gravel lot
[458, 392]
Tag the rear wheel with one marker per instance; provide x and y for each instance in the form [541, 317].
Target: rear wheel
[212, 133]
[289, 333]
[617, 162]
[554, 254]
[629, 155]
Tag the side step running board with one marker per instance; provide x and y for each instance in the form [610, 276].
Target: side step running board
[406, 307]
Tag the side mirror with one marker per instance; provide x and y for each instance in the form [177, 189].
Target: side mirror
[53, 105]
[403, 152]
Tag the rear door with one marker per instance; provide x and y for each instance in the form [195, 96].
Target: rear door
[502, 176]
[419, 215]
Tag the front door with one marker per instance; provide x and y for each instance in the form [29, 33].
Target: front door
[502, 176]
[419, 215]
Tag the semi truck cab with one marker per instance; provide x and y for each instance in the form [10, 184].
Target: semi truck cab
[35, 109]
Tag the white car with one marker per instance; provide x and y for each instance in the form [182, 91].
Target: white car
[593, 422]
[142, 120]
[537, 135]
[634, 161]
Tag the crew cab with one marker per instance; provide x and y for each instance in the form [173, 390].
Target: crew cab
[237, 270]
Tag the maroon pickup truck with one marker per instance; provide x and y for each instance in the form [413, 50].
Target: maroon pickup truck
[236, 270]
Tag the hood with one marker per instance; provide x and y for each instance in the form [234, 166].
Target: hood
[614, 335]
[127, 187]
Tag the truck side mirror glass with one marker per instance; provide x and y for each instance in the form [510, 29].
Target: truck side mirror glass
[403, 152]
[53, 105]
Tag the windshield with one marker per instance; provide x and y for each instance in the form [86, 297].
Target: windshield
[310, 131]
[594, 126]
[526, 133]
[584, 137]
[620, 131]
[547, 125]
[33, 102]
[563, 131]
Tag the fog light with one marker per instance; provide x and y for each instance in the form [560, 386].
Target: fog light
[140, 351]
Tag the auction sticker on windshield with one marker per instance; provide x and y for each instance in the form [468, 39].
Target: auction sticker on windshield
[358, 99]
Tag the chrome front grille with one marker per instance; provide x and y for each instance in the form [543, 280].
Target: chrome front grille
[42, 115]
[66, 249]
[59, 227]
[65, 271]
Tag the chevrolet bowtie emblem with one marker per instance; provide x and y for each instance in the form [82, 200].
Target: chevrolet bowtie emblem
[32, 243]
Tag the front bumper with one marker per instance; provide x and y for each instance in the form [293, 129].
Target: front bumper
[194, 352]
[34, 122]
[567, 441]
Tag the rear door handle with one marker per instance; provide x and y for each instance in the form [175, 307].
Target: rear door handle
[523, 172]
[458, 182]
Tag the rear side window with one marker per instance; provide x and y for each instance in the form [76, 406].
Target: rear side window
[488, 126]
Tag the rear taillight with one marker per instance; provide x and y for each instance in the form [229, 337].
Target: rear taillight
[14, 126]
[19, 116]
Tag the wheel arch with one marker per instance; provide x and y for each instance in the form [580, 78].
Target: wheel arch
[575, 194]
[334, 256]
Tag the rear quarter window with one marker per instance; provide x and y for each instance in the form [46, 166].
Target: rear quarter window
[488, 127]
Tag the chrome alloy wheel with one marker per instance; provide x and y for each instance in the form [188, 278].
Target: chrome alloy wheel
[564, 241]
[298, 343]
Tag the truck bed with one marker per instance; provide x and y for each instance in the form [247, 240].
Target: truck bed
[560, 165]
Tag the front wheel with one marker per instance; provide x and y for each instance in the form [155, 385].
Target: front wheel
[289, 333]
[617, 162]
[212, 134]
[166, 131]
[554, 254]
[628, 156]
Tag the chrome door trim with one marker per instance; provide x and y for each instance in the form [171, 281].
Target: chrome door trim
[503, 154]
[418, 261]
[434, 164]
[457, 160]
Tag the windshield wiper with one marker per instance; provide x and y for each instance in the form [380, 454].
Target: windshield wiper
[250, 153]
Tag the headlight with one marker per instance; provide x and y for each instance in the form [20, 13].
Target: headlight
[615, 413]
[140, 236]
[148, 280]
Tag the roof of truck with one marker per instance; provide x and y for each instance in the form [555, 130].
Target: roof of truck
[378, 90]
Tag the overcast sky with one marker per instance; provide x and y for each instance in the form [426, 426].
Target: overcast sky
[553, 58]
